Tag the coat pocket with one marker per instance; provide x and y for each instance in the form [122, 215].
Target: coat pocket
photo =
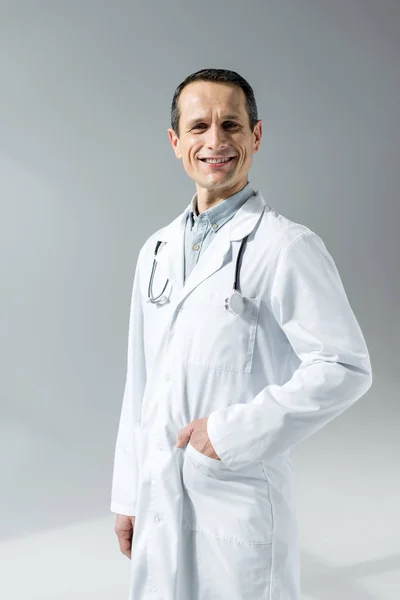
[227, 529]
[213, 337]
[230, 505]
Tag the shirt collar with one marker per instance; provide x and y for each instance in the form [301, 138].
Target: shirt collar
[220, 213]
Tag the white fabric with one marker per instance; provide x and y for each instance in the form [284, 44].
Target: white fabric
[267, 379]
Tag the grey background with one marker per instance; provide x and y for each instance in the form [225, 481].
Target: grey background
[87, 173]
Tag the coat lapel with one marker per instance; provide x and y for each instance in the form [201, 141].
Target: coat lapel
[170, 260]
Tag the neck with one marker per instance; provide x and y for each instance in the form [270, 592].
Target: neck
[206, 198]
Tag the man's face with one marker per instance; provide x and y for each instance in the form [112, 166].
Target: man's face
[214, 123]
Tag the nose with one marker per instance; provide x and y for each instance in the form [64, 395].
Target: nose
[216, 138]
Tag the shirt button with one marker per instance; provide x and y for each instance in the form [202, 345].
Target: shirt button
[214, 225]
[167, 376]
[158, 519]
[159, 446]
[195, 246]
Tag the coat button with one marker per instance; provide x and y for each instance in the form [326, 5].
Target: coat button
[195, 246]
[214, 225]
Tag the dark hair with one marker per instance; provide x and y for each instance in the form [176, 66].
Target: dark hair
[218, 76]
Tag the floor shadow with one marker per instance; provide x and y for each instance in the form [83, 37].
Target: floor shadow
[324, 582]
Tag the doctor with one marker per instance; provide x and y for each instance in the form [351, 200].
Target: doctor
[242, 343]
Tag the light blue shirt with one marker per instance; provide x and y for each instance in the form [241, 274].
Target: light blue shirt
[201, 229]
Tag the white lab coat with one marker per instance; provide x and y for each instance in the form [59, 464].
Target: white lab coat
[267, 379]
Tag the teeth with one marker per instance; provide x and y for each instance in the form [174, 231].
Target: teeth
[216, 160]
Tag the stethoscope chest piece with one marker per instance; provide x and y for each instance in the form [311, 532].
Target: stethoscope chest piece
[235, 303]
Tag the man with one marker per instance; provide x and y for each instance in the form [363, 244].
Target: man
[242, 343]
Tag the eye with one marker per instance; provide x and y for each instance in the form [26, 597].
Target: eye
[230, 123]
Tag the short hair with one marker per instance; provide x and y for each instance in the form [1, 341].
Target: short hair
[217, 76]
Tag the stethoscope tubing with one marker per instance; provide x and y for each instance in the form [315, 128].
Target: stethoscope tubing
[238, 263]
[155, 299]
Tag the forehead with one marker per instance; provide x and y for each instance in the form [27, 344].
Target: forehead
[201, 97]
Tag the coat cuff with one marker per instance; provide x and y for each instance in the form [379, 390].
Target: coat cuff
[128, 510]
[219, 438]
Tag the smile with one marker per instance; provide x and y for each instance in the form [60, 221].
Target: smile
[217, 162]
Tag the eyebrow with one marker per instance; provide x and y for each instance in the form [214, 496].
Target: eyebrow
[225, 117]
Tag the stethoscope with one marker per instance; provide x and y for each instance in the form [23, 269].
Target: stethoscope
[235, 301]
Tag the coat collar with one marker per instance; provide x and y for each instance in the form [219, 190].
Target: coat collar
[170, 258]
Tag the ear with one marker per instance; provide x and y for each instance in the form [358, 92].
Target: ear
[257, 136]
[174, 142]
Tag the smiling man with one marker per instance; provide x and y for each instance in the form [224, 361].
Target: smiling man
[216, 139]
[242, 343]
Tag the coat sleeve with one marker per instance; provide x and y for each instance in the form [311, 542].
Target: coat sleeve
[127, 449]
[310, 304]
